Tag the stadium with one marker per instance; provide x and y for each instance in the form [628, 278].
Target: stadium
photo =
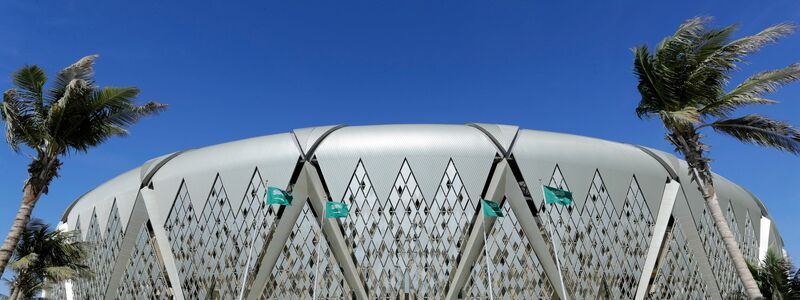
[194, 224]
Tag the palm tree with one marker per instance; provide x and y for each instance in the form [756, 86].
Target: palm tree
[775, 278]
[72, 116]
[44, 257]
[684, 84]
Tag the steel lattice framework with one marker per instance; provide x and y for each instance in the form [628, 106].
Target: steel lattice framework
[193, 224]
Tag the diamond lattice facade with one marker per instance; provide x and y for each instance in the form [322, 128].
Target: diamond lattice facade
[193, 224]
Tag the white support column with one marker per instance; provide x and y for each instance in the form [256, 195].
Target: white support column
[68, 289]
[763, 238]
[63, 226]
[162, 247]
[474, 243]
[138, 219]
[671, 190]
[277, 239]
[334, 236]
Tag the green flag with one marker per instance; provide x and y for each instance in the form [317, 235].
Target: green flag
[335, 210]
[278, 196]
[558, 196]
[491, 209]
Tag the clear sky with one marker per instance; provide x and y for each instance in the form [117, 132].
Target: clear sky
[237, 70]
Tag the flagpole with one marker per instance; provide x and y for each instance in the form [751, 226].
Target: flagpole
[250, 255]
[558, 262]
[555, 247]
[486, 255]
[319, 241]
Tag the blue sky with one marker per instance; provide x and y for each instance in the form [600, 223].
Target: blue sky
[237, 70]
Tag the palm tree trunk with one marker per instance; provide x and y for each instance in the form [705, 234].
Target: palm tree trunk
[14, 294]
[739, 263]
[688, 143]
[16, 290]
[29, 198]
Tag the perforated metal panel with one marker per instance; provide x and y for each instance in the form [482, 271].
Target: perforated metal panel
[516, 271]
[57, 291]
[730, 216]
[211, 246]
[749, 244]
[630, 233]
[104, 247]
[295, 270]
[407, 242]
[143, 277]
[727, 280]
[746, 240]
[677, 276]
[443, 225]
[601, 249]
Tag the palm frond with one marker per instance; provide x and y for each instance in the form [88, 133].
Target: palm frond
[649, 87]
[673, 60]
[29, 80]
[752, 90]
[750, 44]
[44, 256]
[107, 112]
[21, 123]
[150, 108]
[774, 276]
[24, 261]
[755, 129]
[126, 117]
[67, 109]
[680, 47]
[83, 69]
[710, 43]
[704, 80]
[75, 115]
[684, 117]
[12, 115]
[60, 273]
[114, 98]
[678, 66]
[691, 29]
[726, 56]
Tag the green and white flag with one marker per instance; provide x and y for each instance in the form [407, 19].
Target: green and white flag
[336, 210]
[558, 196]
[491, 209]
[278, 196]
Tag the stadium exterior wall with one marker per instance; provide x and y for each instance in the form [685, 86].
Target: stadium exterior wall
[192, 224]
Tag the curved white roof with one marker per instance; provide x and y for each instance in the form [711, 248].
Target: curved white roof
[423, 142]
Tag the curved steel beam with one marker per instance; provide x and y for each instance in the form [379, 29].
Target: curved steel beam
[473, 246]
[331, 230]
[278, 237]
[505, 152]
